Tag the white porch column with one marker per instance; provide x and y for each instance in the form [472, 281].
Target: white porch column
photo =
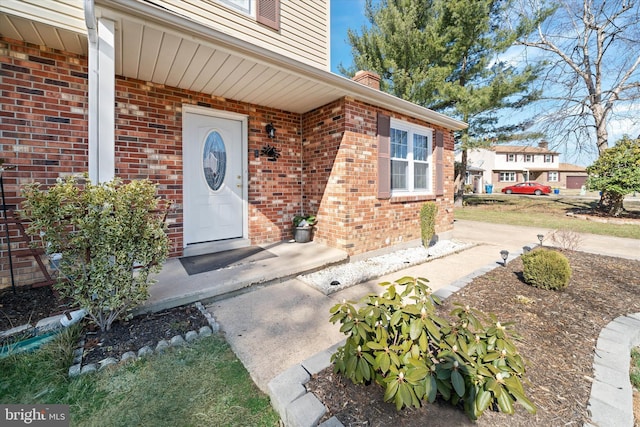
[102, 102]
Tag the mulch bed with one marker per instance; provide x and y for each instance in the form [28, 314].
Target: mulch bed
[28, 305]
[559, 330]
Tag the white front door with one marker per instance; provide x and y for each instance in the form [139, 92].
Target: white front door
[214, 187]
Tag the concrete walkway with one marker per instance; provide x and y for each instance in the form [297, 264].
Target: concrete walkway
[274, 329]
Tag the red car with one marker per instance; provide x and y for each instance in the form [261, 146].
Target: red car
[527, 188]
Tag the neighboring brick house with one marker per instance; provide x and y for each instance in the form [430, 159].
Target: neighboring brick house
[182, 93]
[504, 165]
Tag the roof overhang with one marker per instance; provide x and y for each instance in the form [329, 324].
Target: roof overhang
[156, 45]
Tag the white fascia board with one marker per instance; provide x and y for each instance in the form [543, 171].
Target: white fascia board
[304, 71]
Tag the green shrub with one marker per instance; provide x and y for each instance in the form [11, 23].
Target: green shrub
[428, 214]
[415, 355]
[110, 235]
[546, 269]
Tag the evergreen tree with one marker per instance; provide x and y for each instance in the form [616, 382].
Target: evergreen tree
[444, 55]
[616, 173]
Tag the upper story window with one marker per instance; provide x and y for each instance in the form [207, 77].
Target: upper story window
[511, 157]
[266, 12]
[548, 158]
[241, 5]
[528, 157]
[411, 160]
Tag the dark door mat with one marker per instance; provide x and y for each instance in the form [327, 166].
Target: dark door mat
[202, 263]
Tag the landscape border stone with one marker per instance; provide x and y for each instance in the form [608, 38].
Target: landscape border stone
[77, 368]
[611, 398]
[610, 403]
[289, 404]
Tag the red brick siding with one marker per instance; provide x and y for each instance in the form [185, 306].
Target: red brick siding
[340, 176]
[327, 164]
[43, 129]
[44, 132]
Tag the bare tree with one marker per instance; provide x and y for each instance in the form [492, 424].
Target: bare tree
[592, 49]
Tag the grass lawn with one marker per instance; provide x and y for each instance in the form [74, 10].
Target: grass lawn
[199, 384]
[543, 211]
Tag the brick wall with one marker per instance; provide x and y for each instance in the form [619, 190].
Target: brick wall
[149, 145]
[44, 133]
[340, 181]
[327, 162]
[43, 129]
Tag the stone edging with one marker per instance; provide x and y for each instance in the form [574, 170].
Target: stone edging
[611, 399]
[299, 408]
[610, 403]
[78, 368]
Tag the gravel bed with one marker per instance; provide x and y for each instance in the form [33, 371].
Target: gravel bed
[342, 276]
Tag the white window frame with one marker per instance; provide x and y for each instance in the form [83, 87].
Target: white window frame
[244, 6]
[528, 158]
[412, 129]
[548, 158]
[511, 157]
[507, 176]
[553, 176]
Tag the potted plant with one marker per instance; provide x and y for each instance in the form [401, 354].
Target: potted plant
[303, 227]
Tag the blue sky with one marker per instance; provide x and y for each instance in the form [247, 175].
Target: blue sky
[349, 14]
[345, 14]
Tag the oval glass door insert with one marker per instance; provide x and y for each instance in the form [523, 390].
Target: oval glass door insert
[214, 160]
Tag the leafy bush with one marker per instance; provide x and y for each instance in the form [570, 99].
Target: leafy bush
[309, 219]
[428, 214]
[110, 235]
[546, 269]
[416, 355]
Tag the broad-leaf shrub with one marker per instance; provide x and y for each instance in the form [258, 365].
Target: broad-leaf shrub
[110, 235]
[397, 341]
[546, 269]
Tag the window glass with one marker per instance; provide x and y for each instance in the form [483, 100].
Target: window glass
[399, 175]
[242, 5]
[399, 144]
[553, 176]
[421, 176]
[420, 147]
[214, 160]
[411, 157]
[507, 177]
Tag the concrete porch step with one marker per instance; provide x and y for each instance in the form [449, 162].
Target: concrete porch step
[175, 287]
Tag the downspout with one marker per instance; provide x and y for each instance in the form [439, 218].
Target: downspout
[90, 21]
[93, 93]
[302, 210]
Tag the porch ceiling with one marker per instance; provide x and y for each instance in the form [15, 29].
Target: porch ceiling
[157, 46]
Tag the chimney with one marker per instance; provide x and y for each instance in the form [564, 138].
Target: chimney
[543, 144]
[367, 78]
